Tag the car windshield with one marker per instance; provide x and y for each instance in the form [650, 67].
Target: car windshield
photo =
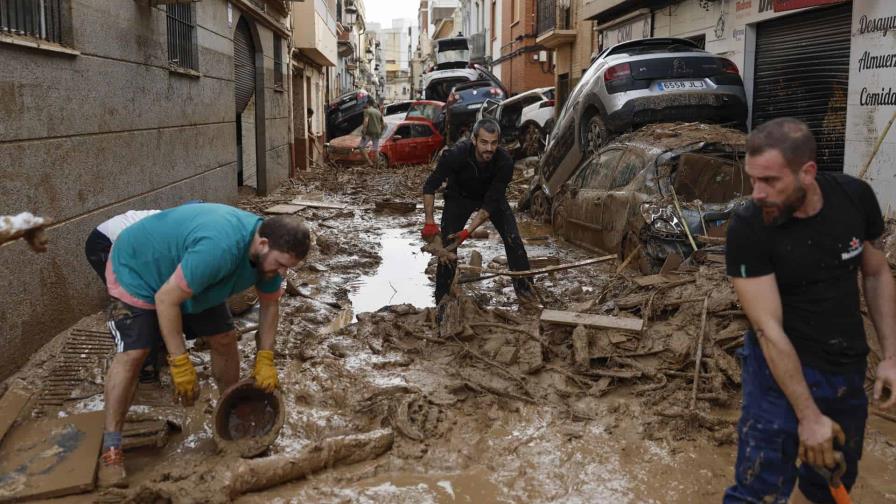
[709, 177]
[549, 94]
[426, 111]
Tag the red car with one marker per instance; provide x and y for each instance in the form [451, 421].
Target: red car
[403, 142]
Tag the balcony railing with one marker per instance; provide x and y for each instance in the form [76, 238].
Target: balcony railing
[553, 15]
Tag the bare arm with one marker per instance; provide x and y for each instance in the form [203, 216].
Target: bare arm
[429, 204]
[168, 300]
[880, 295]
[268, 319]
[761, 301]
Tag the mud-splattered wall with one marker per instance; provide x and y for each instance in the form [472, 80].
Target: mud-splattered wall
[103, 125]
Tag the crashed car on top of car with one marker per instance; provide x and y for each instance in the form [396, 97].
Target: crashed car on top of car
[662, 190]
[636, 83]
[346, 113]
[397, 110]
[403, 142]
[525, 120]
[463, 90]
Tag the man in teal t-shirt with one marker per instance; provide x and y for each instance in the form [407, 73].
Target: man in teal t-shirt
[171, 274]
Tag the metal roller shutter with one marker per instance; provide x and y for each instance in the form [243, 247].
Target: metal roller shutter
[243, 65]
[802, 71]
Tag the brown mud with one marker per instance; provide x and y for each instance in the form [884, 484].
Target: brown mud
[494, 406]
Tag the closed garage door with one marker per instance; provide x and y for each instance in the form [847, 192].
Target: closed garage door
[802, 71]
[243, 65]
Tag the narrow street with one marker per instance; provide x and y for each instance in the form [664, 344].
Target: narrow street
[448, 251]
[503, 414]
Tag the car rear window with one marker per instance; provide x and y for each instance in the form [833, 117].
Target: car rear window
[710, 178]
[439, 89]
[654, 48]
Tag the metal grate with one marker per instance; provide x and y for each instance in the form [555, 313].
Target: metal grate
[42, 19]
[181, 36]
[552, 15]
[278, 61]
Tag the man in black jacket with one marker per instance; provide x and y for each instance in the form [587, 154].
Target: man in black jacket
[477, 172]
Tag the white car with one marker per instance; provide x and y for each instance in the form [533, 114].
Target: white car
[526, 119]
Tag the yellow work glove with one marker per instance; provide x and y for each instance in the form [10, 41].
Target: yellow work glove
[265, 373]
[183, 376]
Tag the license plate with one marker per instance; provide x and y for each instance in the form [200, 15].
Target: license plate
[474, 106]
[682, 84]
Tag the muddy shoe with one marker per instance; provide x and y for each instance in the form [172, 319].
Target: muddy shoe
[111, 472]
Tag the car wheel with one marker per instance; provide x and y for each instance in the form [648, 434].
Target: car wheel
[593, 136]
[382, 161]
[640, 262]
[540, 207]
[532, 142]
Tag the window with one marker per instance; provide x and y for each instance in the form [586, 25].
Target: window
[41, 19]
[182, 47]
[421, 131]
[278, 61]
[629, 166]
[403, 131]
[491, 26]
[599, 174]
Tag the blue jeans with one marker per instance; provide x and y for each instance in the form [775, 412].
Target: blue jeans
[768, 440]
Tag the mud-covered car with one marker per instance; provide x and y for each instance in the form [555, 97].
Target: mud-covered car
[636, 83]
[650, 189]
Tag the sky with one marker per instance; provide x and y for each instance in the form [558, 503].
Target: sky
[384, 11]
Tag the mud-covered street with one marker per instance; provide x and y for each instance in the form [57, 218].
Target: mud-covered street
[506, 408]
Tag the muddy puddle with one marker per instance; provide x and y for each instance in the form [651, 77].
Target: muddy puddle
[401, 277]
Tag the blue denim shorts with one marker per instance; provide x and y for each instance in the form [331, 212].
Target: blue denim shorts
[768, 443]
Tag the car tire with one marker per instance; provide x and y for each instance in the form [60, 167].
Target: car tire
[531, 141]
[643, 263]
[594, 135]
[382, 161]
[540, 206]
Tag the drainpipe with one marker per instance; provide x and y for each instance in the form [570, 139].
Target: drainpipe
[292, 134]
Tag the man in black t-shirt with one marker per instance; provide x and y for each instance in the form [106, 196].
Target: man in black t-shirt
[793, 256]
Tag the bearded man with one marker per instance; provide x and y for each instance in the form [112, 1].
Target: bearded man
[793, 256]
[170, 275]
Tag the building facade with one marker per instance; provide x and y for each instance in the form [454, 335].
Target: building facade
[174, 102]
[523, 63]
[313, 65]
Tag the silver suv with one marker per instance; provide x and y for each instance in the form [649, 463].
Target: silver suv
[630, 85]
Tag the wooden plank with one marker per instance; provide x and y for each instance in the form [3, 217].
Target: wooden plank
[651, 280]
[10, 406]
[283, 209]
[589, 320]
[318, 204]
[487, 273]
[51, 458]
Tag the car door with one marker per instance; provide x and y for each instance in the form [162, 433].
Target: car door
[419, 146]
[621, 201]
[584, 205]
[402, 145]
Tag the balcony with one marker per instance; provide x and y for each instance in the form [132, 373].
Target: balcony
[554, 24]
[314, 32]
[347, 44]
